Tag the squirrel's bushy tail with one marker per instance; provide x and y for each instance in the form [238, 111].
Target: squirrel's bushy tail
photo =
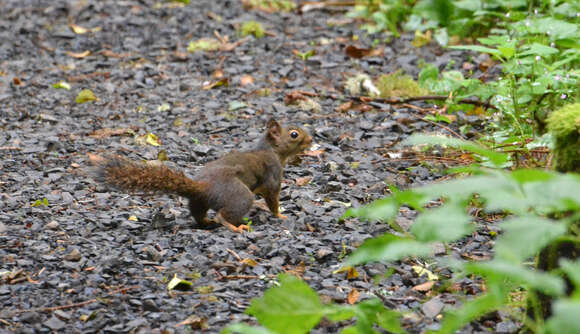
[133, 176]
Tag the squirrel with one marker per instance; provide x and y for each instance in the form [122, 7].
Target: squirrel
[226, 185]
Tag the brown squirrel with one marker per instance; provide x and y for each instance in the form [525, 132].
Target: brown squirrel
[226, 185]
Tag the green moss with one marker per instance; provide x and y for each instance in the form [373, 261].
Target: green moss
[252, 28]
[398, 85]
[564, 124]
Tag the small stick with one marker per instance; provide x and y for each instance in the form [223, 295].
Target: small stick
[396, 100]
[232, 277]
[75, 305]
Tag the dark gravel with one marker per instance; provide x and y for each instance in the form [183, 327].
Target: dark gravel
[86, 248]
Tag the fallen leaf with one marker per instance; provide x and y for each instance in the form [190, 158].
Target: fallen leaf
[108, 132]
[16, 81]
[352, 273]
[78, 29]
[352, 296]
[79, 55]
[423, 287]
[177, 283]
[61, 85]
[152, 139]
[424, 271]
[85, 95]
[211, 85]
[315, 153]
[421, 39]
[246, 80]
[111, 54]
[250, 262]
[195, 322]
[302, 181]
[356, 52]
[344, 107]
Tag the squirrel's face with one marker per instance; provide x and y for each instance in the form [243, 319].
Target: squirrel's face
[297, 138]
[287, 141]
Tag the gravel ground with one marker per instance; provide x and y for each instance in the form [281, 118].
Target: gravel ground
[78, 257]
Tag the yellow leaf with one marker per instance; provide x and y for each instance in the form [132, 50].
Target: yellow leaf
[62, 85]
[152, 140]
[421, 39]
[250, 262]
[423, 271]
[85, 95]
[133, 218]
[79, 54]
[78, 29]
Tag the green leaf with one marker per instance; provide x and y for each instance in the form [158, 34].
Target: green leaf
[339, 312]
[245, 329]
[387, 247]
[499, 270]
[565, 318]
[498, 159]
[446, 223]
[292, 308]
[383, 210]
[85, 95]
[372, 311]
[539, 50]
[455, 319]
[572, 270]
[557, 29]
[477, 48]
[525, 236]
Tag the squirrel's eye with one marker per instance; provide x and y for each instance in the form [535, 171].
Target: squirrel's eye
[294, 134]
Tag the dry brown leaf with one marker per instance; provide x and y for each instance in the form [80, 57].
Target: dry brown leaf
[356, 52]
[352, 296]
[297, 271]
[250, 262]
[302, 181]
[344, 107]
[246, 80]
[218, 74]
[111, 54]
[79, 55]
[196, 322]
[16, 81]
[423, 287]
[315, 153]
[108, 132]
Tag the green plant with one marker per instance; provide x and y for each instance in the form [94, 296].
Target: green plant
[540, 207]
[294, 308]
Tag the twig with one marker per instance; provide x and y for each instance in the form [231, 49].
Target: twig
[396, 100]
[234, 254]
[445, 127]
[232, 277]
[75, 305]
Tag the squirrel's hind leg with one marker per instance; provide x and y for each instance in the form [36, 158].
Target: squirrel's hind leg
[199, 213]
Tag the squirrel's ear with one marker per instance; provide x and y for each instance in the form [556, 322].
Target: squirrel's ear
[274, 130]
